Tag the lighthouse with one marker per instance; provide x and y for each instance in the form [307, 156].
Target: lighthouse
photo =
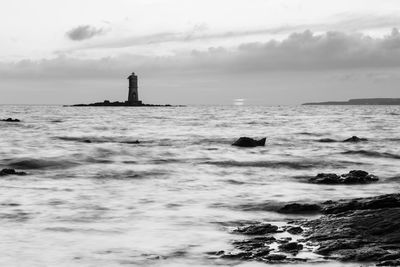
[133, 96]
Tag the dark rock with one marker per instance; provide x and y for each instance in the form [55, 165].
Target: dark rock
[276, 257]
[353, 177]
[11, 120]
[389, 263]
[133, 142]
[358, 177]
[254, 243]
[292, 247]
[370, 203]
[298, 208]
[362, 229]
[5, 172]
[257, 229]
[87, 141]
[262, 252]
[355, 139]
[294, 230]
[327, 140]
[238, 256]
[326, 178]
[393, 256]
[249, 142]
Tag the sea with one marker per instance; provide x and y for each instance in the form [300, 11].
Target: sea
[93, 196]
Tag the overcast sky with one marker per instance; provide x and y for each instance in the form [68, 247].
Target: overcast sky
[268, 52]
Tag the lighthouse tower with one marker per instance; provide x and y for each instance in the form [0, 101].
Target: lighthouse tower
[133, 96]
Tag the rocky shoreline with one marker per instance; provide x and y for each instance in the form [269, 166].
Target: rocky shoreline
[352, 230]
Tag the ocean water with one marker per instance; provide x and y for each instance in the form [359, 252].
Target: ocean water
[175, 196]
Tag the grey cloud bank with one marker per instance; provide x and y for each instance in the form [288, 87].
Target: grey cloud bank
[298, 66]
[304, 51]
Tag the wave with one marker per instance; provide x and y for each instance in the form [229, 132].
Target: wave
[129, 174]
[96, 140]
[310, 134]
[29, 163]
[297, 165]
[373, 154]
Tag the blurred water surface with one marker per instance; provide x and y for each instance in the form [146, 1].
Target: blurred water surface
[95, 198]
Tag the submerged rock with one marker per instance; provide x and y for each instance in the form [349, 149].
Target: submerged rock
[327, 140]
[11, 120]
[5, 172]
[249, 142]
[133, 142]
[355, 139]
[353, 177]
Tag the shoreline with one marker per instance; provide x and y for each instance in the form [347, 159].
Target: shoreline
[354, 230]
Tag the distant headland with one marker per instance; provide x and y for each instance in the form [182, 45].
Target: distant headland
[361, 101]
[133, 98]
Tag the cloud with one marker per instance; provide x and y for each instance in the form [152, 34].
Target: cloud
[343, 22]
[304, 51]
[84, 32]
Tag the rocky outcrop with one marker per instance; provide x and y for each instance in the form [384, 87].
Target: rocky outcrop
[355, 139]
[249, 142]
[353, 177]
[364, 229]
[5, 172]
[11, 120]
[352, 230]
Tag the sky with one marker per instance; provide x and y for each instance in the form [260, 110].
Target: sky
[203, 52]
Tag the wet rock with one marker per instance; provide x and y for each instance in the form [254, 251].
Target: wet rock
[254, 243]
[238, 256]
[355, 139]
[257, 229]
[369, 203]
[276, 257]
[11, 120]
[249, 142]
[359, 177]
[362, 229]
[298, 208]
[284, 240]
[294, 230]
[392, 256]
[353, 177]
[389, 263]
[292, 247]
[5, 172]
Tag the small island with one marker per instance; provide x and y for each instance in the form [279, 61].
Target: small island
[133, 98]
[361, 101]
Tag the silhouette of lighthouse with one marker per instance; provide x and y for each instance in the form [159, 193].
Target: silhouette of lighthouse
[133, 96]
